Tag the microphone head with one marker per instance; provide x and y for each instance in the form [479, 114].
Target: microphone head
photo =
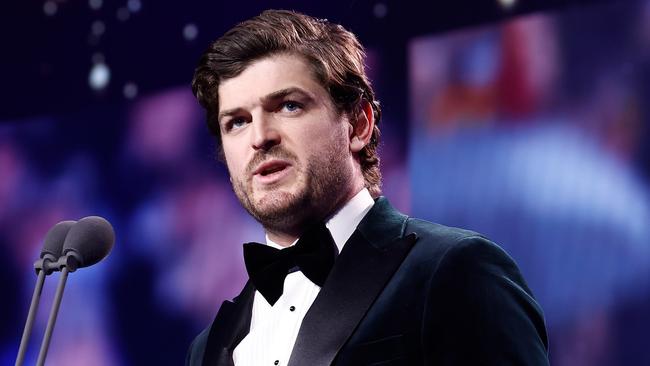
[53, 243]
[90, 240]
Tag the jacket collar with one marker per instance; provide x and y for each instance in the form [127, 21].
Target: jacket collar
[362, 270]
[229, 327]
[383, 224]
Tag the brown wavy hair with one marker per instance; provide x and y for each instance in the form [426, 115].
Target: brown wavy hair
[334, 54]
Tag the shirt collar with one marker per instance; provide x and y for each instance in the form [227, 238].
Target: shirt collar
[343, 223]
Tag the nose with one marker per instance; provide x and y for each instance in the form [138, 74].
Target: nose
[265, 134]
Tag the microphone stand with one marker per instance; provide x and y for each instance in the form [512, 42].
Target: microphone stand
[53, 314]
[36, 298]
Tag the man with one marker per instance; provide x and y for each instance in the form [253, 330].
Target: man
[345, 279]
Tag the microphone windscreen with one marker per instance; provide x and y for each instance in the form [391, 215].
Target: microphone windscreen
[92, 238]
[55, 238]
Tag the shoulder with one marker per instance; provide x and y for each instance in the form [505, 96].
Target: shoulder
[451, 254]
[195, 353]
[477, 294]
[439, 233]
[451, 242]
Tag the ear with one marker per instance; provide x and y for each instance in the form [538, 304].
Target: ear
[362, 126]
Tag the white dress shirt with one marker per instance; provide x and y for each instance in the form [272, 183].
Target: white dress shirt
[274, 329]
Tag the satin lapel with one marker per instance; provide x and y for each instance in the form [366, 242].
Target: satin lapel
[229, 327]
[364, 267]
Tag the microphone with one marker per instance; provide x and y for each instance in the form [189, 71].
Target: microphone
[86, 243]
[52, 250]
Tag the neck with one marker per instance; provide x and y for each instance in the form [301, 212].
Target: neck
[288, 236]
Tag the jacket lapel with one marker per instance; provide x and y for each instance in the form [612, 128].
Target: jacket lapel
[229, 327]
[367, 262]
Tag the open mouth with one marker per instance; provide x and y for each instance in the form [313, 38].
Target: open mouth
[271, 171]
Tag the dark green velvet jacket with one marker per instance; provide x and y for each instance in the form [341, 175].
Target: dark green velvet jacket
[403, 292]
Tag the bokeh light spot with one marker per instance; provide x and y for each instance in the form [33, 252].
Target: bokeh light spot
[50, 8]
[190, 32]
[123, 14]
[130, 90]
[506, 4]
[380, 10]
[98, 28]
[134, 5]
[95, 4]
[99, 76]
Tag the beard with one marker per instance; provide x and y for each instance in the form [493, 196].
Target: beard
[320, 184]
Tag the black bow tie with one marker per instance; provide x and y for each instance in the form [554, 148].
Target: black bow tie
[267, 267]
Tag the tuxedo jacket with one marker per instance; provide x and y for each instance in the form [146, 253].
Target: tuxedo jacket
[403, 291]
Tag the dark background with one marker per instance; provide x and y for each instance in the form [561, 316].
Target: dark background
[528, 123]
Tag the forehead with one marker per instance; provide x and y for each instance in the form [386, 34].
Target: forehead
[265, 76]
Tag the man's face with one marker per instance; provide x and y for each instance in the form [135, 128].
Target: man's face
[286, 147]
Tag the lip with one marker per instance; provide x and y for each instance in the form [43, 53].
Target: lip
[281, 167]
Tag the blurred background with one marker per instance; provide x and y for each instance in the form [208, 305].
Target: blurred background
[527, 121]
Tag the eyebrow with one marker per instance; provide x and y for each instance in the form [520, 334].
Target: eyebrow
[283, 93]
[276, 95]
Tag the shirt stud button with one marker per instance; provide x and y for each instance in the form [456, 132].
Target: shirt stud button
[292, 308]
[276, 362]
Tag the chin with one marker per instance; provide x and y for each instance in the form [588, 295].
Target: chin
[275, 201]
[280, 209]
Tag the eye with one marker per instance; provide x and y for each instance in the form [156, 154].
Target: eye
[290, 106]
[235, 123]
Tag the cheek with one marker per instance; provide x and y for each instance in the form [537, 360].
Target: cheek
[234, 161]
[322, 131]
